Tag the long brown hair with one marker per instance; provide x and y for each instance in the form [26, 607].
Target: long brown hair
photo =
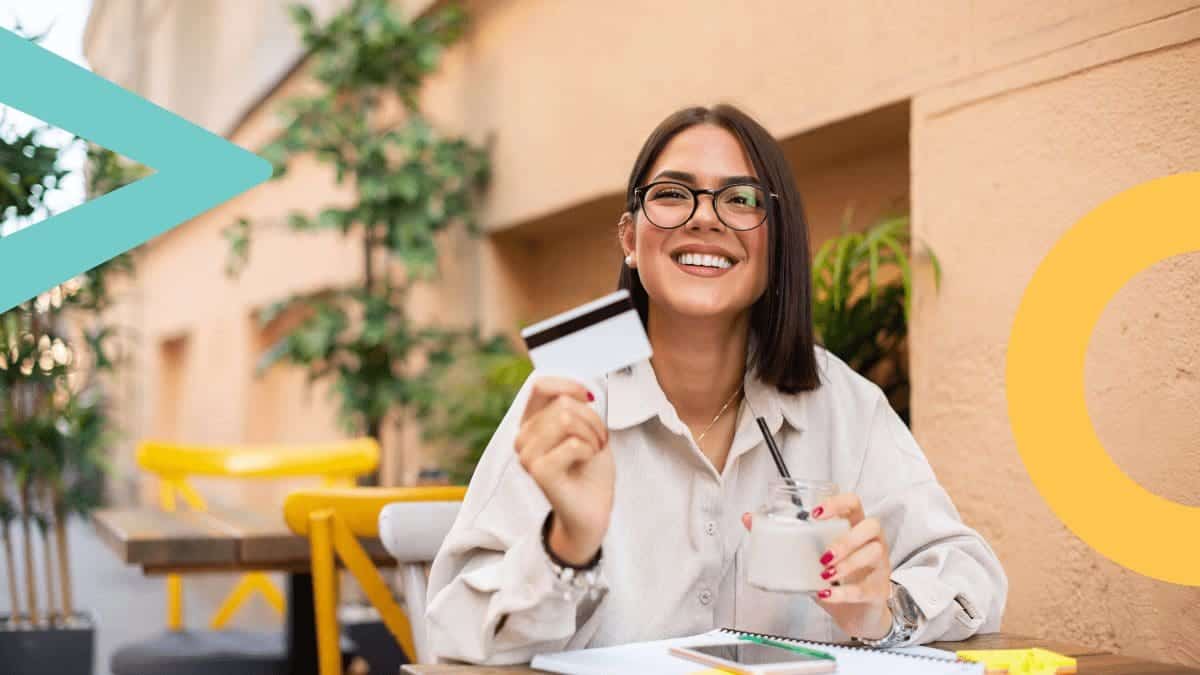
[781, 331]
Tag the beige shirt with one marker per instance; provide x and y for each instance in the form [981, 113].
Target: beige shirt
[674, 555]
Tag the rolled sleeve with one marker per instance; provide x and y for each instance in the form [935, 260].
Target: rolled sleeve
[493, 596]
[951, 573]
[504, 607]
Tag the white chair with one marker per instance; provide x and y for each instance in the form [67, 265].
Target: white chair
[412, 532]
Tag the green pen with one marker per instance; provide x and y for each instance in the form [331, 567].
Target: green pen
[790, 647]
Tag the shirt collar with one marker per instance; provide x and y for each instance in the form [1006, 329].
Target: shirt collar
[635, 396]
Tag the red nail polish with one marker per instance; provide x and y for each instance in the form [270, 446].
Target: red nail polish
[829, 572]
[824, 593]
[590, 397]
[827, 558]
[818, 511]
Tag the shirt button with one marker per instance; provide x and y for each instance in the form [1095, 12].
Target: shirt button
[705, 596]
[711, 528]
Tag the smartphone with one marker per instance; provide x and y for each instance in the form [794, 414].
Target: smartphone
[749, 658]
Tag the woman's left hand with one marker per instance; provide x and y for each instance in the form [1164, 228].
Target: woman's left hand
[857, 565]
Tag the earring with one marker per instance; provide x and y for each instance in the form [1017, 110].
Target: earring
[629, 260]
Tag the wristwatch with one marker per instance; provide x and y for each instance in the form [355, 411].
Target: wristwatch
[573, 581]
[905, 616]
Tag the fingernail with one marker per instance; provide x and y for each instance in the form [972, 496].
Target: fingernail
[590, 397]
[829, 572]
[827, 558]
[818, 511]
[823, 593]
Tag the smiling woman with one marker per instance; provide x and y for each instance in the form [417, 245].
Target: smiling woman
[724, 147]
[647, 500]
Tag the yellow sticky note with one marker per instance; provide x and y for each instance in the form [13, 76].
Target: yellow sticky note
[1020, 661]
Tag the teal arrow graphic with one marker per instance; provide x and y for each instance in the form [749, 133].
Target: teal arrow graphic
[194, 170]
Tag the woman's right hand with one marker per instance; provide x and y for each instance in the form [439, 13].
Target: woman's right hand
[563, 445]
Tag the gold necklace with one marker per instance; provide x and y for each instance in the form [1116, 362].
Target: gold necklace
[721, 412]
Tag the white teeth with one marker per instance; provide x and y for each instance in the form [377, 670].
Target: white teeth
[704, 260]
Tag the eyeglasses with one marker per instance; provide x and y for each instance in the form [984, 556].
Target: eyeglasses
[669, 205]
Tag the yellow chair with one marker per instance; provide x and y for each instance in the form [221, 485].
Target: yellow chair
[337, 463]
[333, 519]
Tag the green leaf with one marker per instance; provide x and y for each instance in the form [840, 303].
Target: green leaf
[237, 235]
[273, 355]
[841, 266]
[873, 271]
[905, 270]
[301, 222]
[335, 219]
[301, 15]
[428, 55]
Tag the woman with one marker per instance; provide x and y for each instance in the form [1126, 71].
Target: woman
[580, 530]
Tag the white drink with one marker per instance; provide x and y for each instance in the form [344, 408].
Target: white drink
[785, 552]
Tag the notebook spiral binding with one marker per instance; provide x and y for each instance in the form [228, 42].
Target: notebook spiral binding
[818, 645]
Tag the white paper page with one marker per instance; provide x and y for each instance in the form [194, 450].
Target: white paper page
[653, 657]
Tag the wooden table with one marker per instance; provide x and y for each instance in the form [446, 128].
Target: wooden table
[216, 541]
[229, 541]
[1090, 661]
[188, 542]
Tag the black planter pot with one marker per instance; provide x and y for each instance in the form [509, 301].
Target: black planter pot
[65, 650]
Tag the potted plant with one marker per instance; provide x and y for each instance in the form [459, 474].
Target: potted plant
[54, 425]
[52, 439]
[862, 296]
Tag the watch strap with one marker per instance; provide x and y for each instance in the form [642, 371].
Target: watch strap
[904, 622]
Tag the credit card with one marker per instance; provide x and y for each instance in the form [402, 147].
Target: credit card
[590, 340]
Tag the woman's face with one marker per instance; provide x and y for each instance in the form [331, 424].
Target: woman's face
[676, 266]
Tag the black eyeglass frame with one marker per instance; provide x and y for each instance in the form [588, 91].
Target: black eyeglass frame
[640, 195]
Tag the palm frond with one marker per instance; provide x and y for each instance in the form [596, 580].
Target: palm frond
[860, 312]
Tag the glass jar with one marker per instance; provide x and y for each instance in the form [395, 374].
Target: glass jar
[786, 543]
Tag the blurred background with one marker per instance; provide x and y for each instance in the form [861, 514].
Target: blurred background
[447, 173]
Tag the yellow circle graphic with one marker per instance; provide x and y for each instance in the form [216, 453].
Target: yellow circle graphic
[1103, 506]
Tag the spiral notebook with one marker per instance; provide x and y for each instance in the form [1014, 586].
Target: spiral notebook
[654, 657]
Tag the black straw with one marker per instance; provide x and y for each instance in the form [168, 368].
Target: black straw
[778, 457]
[762, 426]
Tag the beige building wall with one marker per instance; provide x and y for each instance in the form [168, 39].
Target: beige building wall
[1003, 165]
[999, 123]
